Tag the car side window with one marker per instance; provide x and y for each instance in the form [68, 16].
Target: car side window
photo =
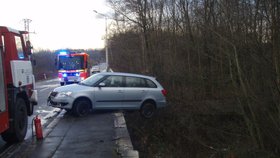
[135, 82]
[113, 81]
[151, 84]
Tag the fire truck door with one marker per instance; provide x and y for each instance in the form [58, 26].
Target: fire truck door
[2, 85]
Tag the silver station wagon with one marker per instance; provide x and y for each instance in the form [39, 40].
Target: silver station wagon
[111, 90]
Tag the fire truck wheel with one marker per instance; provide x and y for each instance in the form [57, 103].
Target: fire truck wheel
[81, 107]
[18, 127]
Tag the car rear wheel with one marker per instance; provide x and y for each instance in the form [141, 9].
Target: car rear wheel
[147, 110]
[81, 107]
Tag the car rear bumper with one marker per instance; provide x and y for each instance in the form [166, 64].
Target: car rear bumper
[161, 104]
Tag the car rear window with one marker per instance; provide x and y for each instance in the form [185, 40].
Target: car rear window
[139, 82]
[150, 84]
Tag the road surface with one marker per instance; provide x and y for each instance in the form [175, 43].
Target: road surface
[100, 134]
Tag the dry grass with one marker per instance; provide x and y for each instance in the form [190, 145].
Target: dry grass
[181, 131]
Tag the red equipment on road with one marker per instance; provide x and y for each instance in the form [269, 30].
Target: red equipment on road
[17, 92]
[38, 127]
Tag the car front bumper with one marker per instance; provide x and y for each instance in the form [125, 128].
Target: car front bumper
[64, 103]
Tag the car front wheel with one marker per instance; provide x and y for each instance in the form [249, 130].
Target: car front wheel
[81, 107]
[148, 110]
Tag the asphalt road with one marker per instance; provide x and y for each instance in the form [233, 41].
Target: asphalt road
[104, 135]
[45, 112]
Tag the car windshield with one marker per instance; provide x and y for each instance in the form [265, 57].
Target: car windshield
[92, 79]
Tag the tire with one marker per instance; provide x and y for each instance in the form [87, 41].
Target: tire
[148, 110]
[18, 127]
[81, 107]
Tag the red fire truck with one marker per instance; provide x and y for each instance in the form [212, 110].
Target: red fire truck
[17, 94]
[72, 66]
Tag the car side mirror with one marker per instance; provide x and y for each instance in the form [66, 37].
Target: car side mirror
[102, 84]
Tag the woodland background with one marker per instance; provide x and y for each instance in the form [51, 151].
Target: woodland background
[219, 60]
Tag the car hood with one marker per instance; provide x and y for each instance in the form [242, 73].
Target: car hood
[72, 88]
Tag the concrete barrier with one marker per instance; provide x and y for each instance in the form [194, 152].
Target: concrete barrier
[122, 138]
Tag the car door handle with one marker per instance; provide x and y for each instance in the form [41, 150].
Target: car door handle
[120, 91]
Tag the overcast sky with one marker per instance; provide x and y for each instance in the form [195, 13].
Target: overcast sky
[58, 23]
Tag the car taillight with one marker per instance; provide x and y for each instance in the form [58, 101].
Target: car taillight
[164, 92]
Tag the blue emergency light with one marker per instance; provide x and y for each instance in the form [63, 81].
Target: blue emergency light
[64, 75]
[63, 53]
[21, 56]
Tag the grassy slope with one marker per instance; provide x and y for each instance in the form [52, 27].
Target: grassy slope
[177, 131]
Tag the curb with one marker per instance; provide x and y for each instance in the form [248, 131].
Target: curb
[51, 125]
[122, 138]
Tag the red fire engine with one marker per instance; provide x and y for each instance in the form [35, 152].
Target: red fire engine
[17, 94]
[72, 66]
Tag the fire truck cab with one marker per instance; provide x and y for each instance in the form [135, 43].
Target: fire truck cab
[17, 83]
[72, 66]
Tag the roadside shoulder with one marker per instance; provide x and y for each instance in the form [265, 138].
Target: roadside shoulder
[122, 138]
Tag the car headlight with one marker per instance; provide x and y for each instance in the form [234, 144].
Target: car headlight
[64, 94]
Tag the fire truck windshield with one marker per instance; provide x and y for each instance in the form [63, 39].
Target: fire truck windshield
[70, 63]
